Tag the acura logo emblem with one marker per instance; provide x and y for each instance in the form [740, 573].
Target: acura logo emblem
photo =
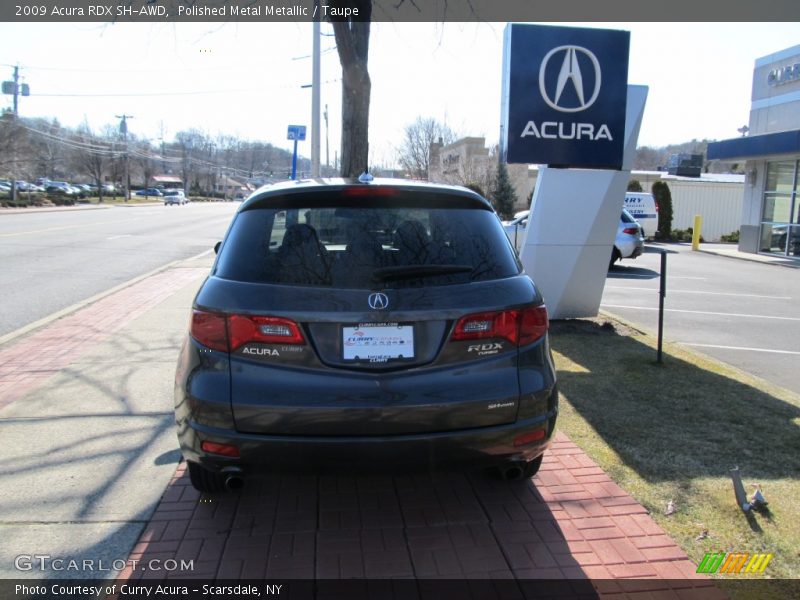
[378, 301]
[570, 74]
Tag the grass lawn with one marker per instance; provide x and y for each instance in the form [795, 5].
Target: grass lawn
[672, 432]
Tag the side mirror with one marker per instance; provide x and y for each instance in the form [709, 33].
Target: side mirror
[216, 247]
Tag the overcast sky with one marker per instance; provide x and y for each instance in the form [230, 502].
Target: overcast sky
[245, 79]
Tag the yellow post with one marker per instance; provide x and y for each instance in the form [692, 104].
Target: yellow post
[698, 223]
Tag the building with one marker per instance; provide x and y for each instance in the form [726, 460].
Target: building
[166, 181]
[770, 221]
[716, 197]
[469, 162]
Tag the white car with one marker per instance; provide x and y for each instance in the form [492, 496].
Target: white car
[515, 228]
[175, 197]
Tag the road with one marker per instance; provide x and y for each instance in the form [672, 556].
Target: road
[741, 312]
[52, 260]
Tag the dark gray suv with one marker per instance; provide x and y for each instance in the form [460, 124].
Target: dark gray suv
[362, 324]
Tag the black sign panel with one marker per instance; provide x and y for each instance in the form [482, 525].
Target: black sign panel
[564, 96]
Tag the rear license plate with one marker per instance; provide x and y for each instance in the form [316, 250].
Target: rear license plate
[378, 342]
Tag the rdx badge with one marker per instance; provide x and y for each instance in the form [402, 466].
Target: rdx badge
[481, 349]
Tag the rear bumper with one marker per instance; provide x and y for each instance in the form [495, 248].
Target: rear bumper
[483, 447]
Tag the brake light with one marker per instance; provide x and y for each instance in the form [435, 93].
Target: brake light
[369, 190]
[266, 330]
[227, 333]
[518, 326]
[530, 437]
[210, 330]
[631, 230]
[533, 324]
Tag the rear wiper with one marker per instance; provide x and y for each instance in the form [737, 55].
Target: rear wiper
[413, 271]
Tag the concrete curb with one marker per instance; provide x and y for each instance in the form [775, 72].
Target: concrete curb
[757, 258]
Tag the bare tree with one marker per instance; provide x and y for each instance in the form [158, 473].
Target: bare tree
[94, 158]
[352, 44]
[414, 154]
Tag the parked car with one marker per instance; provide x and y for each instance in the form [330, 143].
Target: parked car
[364, 324]
[629, 242]
[175, 196]
[61, 188]
[147, 192]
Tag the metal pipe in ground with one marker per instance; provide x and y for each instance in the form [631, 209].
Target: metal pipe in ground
[662, 294]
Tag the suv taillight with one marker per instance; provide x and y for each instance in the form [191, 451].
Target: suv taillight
[227, 333]
[518, 326]
[631, 230]
[210, 330]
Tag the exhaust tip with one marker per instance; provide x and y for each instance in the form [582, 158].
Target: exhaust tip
[513, 473]
[233, 483]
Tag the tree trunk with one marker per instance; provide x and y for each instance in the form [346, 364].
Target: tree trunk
[352, 43]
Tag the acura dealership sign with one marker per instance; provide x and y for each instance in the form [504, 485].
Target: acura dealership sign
[564, 95]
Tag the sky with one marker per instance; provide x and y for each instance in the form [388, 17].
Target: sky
[245, 79]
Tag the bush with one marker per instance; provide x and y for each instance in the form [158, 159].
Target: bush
[635, 186]
[684, 235]
[731, 237]
[663, 199]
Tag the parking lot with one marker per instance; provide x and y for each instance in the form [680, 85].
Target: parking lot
[738, 311]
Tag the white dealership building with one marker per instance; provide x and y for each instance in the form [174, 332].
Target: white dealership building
[771, 207]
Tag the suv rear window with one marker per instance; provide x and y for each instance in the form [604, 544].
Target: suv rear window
[361, 247]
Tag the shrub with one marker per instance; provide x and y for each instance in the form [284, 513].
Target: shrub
[663, 199]
[635, 186]
[730, 237]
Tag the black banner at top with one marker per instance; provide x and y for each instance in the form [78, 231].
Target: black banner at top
[397, 10]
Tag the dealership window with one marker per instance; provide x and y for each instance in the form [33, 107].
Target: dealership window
[780, 215]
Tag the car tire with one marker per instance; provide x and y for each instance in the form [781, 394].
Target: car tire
[204, 480]
[615, 256]
[532, 467]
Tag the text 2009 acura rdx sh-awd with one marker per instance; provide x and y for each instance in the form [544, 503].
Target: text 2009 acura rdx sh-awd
[372, 323]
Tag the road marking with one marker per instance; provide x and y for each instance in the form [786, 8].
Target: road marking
[672, 291]
[116, 237]
[741, 348]
[702, 312]
[653, 276]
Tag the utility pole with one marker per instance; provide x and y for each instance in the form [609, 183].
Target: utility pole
[315, 92]
[14, 138]
[327, 149]
[15, 89]
[123, 129]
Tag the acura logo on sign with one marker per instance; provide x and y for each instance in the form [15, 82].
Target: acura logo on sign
[378, 301]
[570, 74]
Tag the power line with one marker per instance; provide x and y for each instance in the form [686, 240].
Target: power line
[190, 93]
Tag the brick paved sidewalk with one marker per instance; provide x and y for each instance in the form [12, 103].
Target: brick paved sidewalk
[28, 363]
[572, 522]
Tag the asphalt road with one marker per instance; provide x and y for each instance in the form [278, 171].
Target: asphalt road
[52, 260]
[741, 312]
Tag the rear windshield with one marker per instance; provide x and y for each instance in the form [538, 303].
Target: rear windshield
[363, 248]
[627, 218]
